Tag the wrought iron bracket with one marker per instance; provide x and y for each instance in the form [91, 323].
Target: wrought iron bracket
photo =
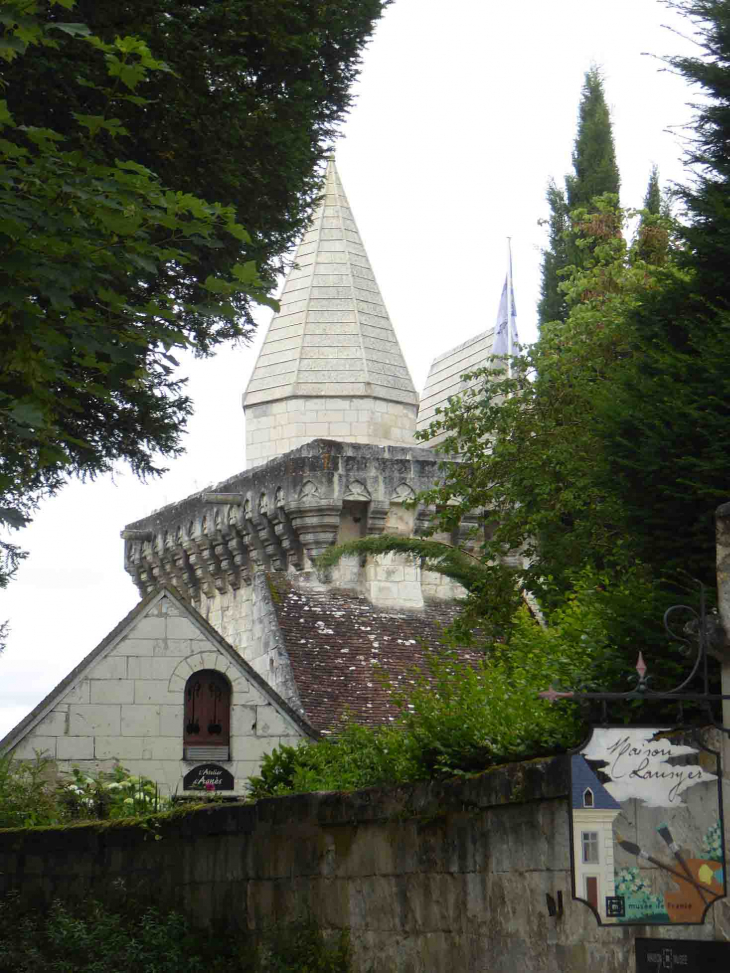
[696, 636]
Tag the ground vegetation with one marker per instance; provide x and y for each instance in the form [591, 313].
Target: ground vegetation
[128, 934]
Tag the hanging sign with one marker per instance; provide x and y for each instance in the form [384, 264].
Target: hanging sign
[208, 777]
[647, 844]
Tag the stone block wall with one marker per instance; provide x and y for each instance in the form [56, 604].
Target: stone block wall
[429, 878]
[128, 707]
[274, 428]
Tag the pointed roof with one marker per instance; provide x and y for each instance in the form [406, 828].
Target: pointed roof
[582, 777]
[444, 378]
[332, 336]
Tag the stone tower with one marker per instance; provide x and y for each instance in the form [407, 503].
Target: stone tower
[331, 413]
[330, 366]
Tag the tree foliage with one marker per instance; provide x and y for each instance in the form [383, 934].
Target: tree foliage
[251, 103]
[95, 263]
[534, 468]
[653, 194]
[544, 483]
[105, 269]
[667, 420]
[595, 173]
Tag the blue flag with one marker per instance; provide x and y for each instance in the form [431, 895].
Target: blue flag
[506, 323]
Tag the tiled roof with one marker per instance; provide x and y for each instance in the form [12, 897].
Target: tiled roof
[332, 335]
[341, 646]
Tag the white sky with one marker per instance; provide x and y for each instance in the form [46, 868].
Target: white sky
[464, 110]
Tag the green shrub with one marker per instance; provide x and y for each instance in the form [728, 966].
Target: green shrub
[129, 938]
[300, 947]
[356, 757]
[91, 939]
[458, 718]
[33, 794]
[28, 793]
[109, 794]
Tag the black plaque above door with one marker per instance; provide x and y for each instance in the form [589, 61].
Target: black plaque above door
[208, 777]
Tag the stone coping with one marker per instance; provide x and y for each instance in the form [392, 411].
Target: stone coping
[545, 778]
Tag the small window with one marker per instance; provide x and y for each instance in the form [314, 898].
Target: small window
[587, 797]
[207, 728]
[589, 840]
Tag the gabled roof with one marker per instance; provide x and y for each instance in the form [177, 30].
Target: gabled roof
[582, 777]
[332, 336]
[341, 646]
[118, 633]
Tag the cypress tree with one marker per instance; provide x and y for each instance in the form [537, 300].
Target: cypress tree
[653, 195]
[707, 197]
[652, 234]
[552, 306]
[594, 155]
[668, 429]
[595, 172]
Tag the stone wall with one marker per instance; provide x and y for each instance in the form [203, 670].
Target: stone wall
[277, 427]
[430, 878]
[124, 704]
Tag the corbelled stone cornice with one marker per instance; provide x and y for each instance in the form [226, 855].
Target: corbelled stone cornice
[277, 516]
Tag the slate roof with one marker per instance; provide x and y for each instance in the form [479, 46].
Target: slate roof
[444, 378]
[582, 777]
[338, 643]
[332, 335]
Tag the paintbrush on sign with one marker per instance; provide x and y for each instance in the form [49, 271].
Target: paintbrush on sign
[666, 834]
[634, 849]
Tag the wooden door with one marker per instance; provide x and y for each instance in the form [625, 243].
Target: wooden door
[592, 890]
[207, 710]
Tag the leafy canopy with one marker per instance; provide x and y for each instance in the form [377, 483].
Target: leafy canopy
[95, 262]
[666, 422]
[117, 129]
[542, 482]
[250, 106]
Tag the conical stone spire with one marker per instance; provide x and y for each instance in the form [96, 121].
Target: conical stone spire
[330, 366]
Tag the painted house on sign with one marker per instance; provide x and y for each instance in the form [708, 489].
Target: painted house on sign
[594, 811]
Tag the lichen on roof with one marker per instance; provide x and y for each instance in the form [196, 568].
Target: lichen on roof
[343, 650]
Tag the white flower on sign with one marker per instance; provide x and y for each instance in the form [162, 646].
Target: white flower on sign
[642, 767]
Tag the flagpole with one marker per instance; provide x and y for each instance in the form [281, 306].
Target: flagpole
[509, 307]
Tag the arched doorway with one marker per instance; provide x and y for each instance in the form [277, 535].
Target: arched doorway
[207, 724]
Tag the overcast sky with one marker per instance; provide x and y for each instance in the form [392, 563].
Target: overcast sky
[463, 112]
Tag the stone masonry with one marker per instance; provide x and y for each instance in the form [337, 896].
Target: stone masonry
[277, 518]
[124, 703]
[434, 877]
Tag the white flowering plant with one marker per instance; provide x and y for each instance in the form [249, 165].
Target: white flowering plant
[110, 794]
